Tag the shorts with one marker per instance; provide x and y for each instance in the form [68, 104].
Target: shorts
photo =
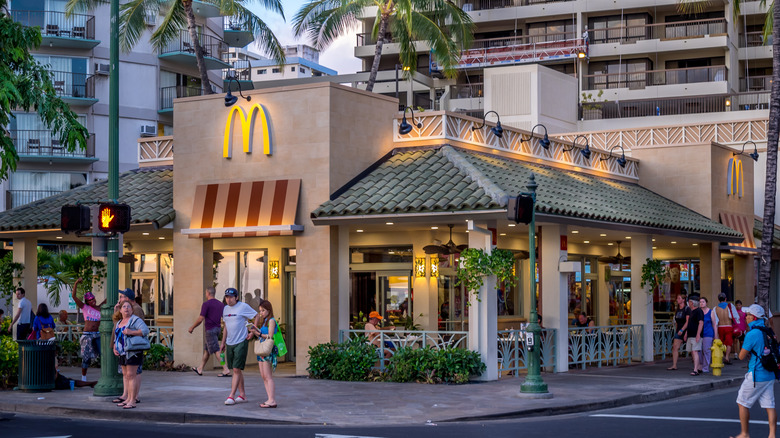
[677, 335]
[236, 355]
[764, 392]
[692, 345]
[211, 340]
[90, 348]
[134, 360]
[725, 334]
[138, 371]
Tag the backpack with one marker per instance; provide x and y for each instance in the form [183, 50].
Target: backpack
[770, 356]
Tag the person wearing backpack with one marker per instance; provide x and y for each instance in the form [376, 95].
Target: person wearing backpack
[43, 324]
[759, 382]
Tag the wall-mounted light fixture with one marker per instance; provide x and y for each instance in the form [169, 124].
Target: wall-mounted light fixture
[545, 141]
[229, 98]
[621, 160]
[753, 155]
[434, 266]
[405, 128]
[585, 152]
[273, 269]
[497, 130]
[419, 267]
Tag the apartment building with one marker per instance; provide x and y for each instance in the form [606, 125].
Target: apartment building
[633, 58]
[76, 48]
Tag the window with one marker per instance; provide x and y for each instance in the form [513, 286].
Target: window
[292, 68]
[262, 72]
[303, 71]
[615, 28]
[550, 31]
[26, 187]
[245, 271]
[276, 70]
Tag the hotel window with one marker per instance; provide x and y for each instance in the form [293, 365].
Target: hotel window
[26, 187]
[615, 28]
[631, 73]
[276, 70]
[262, 72]
[292, 68]
[303, 71]
[551, 31]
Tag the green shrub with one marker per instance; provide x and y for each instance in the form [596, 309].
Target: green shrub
[158, 358]
[9, 362]
[69, 353]
[349, 361]
[448, 365]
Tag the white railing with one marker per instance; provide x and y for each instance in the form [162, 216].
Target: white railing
[392, 340]
[605, 345]
[158, 334]
[513, 355]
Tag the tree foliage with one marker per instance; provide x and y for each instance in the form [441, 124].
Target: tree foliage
[63, 269]
[10, 271]
[25, 85]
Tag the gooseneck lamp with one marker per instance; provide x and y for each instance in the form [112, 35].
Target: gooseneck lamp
[497, 130]
[620, 160]
[405, 128]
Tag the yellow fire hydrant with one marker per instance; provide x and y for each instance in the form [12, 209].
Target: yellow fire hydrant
[718, 350]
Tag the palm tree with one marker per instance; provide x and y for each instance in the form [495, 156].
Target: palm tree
[63, 269]
[773, 129]
[178, 15]
[441, 23]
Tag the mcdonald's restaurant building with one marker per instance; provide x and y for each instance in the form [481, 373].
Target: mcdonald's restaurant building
[309, 197]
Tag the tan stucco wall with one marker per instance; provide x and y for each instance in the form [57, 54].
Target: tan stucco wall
[323, 134]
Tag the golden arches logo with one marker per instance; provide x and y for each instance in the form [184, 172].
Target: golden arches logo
[735, 177]
[247, 122]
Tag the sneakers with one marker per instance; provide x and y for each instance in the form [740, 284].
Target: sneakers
[230, 401]
[240, 399]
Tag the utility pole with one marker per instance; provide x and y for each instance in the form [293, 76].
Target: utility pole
[110, 384]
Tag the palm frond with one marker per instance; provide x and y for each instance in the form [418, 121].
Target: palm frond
[323, 21]
[264, 36]
[693, 7]
[132, 23]
[75, 6]
[769, 22]
[174, 21]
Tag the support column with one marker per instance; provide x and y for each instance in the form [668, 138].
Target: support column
[709, 278]
[744, 279]
[194, 272]
[343, 277]
[483, 314]
[26, 253]
[553, 291]
[425, 306]
[641, 299]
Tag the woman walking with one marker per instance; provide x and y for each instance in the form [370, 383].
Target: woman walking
[708, 333]
[43, 324]
[267, 364]
[129, 336]
[681, 321]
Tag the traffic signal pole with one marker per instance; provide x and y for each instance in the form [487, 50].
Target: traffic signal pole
[110, 383]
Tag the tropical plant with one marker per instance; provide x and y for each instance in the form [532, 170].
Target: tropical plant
[428, 365]
[26, 84]
[9, 270]
[178, 15]
[441, 23]
[653, 272]
[63, 269]
[476, 264]
[773, 130]
[589, 102]
[349, 361]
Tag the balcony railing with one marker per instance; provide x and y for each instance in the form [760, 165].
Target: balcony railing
[241, 67]
[213, 47]
[467, 91]
[15, 198]
[674, 30]
[167, 94]
[675, 106]
[68, 84]
[42, 143]
[77, 26]
[641, 79]
[754, 39]
[366, 39]
[522, 40]
[755, 83]
[481, 5]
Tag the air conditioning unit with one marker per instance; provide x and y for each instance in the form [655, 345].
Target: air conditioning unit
[102, 69]
[148, 130]
[150, 18]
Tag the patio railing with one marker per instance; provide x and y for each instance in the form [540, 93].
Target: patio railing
[605, 345]
[513, 355]
[58, 24]
[391, 340]
[640, 79]
[671, 30]
[158, 334]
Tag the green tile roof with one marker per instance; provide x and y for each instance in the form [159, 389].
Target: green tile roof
[148, 191]
[449, 179]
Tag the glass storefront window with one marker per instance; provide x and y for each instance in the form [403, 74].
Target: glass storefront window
[582, 287]
[682, 278]
[453, 311]
[244, 270]
[382, 254]
[165, 303]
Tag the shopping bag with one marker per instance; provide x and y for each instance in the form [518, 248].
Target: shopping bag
[279, 342]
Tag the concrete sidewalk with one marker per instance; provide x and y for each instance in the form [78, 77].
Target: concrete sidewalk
[189, 398]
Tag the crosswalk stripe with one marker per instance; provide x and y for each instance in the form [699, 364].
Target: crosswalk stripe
[653, 417]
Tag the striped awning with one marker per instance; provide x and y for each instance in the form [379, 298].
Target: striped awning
[744, 225]
[245, 209]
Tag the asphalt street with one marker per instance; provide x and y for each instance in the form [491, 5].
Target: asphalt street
[713, 414]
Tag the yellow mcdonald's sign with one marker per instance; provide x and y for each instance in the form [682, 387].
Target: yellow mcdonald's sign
[735, 177]
[248, 123]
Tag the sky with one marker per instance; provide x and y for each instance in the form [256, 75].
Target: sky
[339, 56]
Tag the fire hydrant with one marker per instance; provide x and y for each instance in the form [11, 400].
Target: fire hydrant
[718, 350]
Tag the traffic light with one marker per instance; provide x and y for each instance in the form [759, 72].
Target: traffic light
[520, 209]
[74, 218]
[114, 218]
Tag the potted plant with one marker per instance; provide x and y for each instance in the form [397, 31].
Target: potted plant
[476, 264]
[653, 273]
[592, 106]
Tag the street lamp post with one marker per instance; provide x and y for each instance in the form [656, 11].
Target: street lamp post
[533, 383]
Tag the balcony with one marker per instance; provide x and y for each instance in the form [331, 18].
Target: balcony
[168, 94]
[754, 39]
[675, 106]
[482, 5]
[467, 91]
[57, 30]
[755, 83]
[182, 51]
[236, 33]
[39, 145]
[641, 79]
[15, 198]
[74, 88]
[659, 31]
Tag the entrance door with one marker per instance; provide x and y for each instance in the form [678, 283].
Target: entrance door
[395, 295]
[453, 312]
[144, 284]
[289, 314]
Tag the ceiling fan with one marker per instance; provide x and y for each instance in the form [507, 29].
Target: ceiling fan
[446, 249]
[616, 258]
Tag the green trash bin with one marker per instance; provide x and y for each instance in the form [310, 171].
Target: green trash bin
[37, 365]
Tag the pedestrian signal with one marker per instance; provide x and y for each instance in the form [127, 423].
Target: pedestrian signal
[520, 209]
[74, 218]
[114, 218]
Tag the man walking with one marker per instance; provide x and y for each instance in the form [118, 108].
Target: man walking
[759, 384]
[693, 334]
[211, 313]
[728, 318]
[23, 315]
[235, 340]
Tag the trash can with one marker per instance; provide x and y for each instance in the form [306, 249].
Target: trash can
[37, 365]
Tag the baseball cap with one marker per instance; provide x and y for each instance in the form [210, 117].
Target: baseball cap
[231, 292]
[755, 310]
[375, 314]
[128, 293]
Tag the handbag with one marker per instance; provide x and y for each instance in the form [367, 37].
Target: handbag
[264, 347]
[279, 341]
[136, 343]
[32, 336]
[47, 333]
[735, 329]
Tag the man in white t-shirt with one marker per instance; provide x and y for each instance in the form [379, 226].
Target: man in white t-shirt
[23, 316]
[235, 341]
